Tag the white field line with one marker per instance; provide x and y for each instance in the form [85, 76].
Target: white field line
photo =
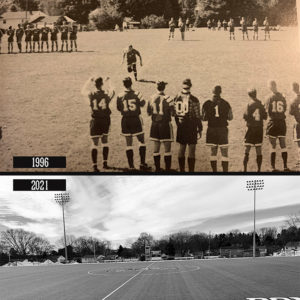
[123, 284]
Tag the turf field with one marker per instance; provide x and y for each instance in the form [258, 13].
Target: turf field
[227, 279]
[43, 112]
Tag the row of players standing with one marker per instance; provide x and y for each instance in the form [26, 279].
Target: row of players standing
[36, 38]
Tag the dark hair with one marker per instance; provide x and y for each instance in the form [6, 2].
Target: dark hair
[127, 82]
[99, 82]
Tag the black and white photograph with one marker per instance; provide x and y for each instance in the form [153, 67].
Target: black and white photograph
[150, 86]
[149, 237]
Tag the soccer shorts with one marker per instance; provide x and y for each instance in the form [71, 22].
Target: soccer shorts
[231, 29]
[172, 29]
[27, 38]
[161, 131]
[187, 133]
[276, 128]
[254, 136]
[99, 127]
[10, 40]
[132, 126]
[64, 36]
[131, 67]
[54, 39]
[36, 39]
[217, 136]
[297, 132]
[73, 37]
[44, 39]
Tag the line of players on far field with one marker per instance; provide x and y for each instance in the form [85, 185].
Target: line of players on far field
[37, 39]
[185, 108]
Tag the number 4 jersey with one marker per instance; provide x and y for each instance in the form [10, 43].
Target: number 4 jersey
[276, 107]
[255, 114]
[129, 103]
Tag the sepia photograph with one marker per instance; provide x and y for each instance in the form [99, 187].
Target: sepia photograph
[149, 86]
[149, 237]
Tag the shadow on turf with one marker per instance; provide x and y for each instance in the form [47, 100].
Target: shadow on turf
[146, 81]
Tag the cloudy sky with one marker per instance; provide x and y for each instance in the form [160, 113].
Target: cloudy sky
[119, 208]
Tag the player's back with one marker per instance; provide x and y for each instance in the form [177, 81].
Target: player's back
[99, 102]
[295, 108]
[255, 114]
[159, 108]
[129, 103]
[276, 106]
[131, 56]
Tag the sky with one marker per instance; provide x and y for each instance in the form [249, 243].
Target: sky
[119, 208]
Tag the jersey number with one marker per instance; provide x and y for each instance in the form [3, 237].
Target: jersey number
[158, 106]
[256, 115]
[129, 105]
[101, 104]
[182, 108]
[277, 107]
[217, 115]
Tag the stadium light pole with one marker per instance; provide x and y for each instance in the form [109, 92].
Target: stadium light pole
[62, 199]
[254, 185]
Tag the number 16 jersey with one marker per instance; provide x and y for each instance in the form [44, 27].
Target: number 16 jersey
[276, 107]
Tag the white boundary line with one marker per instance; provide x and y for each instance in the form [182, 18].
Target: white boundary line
[123, 284]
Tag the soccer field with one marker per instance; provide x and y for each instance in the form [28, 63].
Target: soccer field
[226, 279]
[44, 114]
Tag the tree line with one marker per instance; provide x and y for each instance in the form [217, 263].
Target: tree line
[106, 13]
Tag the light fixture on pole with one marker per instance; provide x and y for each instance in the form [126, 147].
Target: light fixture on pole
[254, 185]
[62, 199]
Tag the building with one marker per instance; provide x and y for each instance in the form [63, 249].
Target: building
[13, 18]
[50, 20]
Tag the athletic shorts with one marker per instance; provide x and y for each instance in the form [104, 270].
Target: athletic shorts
[99, 127]
[44, 39]
[276, 128]
[64, 36]
[187, 133]
[132, 126]
[10, 40]
[244, 29]
[231, 29]
[254, 136]
[161, 131]
[27, 39]
[73, 37]
[297, 132]
[36, 39]
[217, 136]
[172, 29]
[131, 68]
[54, 39]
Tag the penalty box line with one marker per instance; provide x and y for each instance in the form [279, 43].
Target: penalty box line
[123, 284]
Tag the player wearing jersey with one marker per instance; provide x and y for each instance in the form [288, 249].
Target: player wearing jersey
[73, 37]
[99, 101]
[254, 116]
[160, 109]
[129, 103]
[131, 55]
[208, 24]
[64, 36]
[181, 25]
[231, 29]
[172, 26]
[217, 112]
[276, 129]
[189, 125]
[244, 28]
[53, 35]
[225, 25]
[295, 112]
[255, 29]
[36, 37]
[19, 35]
[267, 28]
[28, 37]
[45, 36]
[219, 25]
[10, 40]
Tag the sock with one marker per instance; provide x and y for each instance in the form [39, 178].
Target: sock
[213, 163]
[191, 163]
[94, 156]
[246, 159]
[168, 161]
[273, 159]
[181, 161]
[105, 152]
[142, 151]
[129, 154]
[156, 157]
[225, 165]
[259, 162]
[284, 155]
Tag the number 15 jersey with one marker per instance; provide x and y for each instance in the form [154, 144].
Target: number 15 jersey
[129, 103]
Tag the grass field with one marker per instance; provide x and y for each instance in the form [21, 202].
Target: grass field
[225, 279]
[43, 112]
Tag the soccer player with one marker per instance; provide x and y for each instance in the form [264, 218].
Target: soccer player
[73, 37]
[217, 112]
[267, 28]
[53, 34]
[187, 24]
[208, 24]
[131, 55]
[254, 116]
[172, 26]
[160, 109]
[10, 32]
[45, 36]
[244, 28]
[219, 25]
[225, 25]
[295, 111]
[276, 129]
[255, 29]
[231, 29]
[99, 101]
[129, 103]
[28, 35]
[36, 37]
[181, 26]
[189, 125]
[19, 35]
[64, 36]
[213, 24]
